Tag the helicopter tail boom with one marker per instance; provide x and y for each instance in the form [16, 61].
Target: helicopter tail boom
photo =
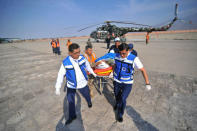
[166, 27]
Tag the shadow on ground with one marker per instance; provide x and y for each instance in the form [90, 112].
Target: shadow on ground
[76, 125]
[141, 124]
[109, 95]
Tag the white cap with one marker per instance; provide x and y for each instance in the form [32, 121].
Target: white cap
[117, 39]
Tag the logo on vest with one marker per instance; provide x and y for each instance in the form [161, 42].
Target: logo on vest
[124, 69]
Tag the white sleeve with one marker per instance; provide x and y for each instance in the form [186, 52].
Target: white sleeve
[89, 68]
[137, 63]
[111, 51]
[60, 77]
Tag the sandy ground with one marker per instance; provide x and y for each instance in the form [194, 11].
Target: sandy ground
[174, 53]
[28, 72]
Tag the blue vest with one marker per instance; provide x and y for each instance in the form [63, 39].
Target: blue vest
[123, 72]
[70, 71]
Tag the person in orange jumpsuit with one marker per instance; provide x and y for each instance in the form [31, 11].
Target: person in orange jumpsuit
[68, 43]
[58, 46]
[147, 37]
[91, 57]
[54, 46]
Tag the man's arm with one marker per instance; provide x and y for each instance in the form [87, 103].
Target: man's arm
[60, 79]
[139, 66]
[148, 86]
[144, 73]
[89, 69]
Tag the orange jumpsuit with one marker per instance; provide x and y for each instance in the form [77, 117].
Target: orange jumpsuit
[91, 59]
[147, 38]
[68, 43]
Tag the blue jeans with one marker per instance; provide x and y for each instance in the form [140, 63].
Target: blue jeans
[121, 92]
[71, 99]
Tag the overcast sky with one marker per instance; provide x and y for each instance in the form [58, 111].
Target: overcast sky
[58, 18]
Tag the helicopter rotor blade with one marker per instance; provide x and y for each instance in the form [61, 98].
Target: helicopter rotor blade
[122, 22]
[89, 27]
[70, 27]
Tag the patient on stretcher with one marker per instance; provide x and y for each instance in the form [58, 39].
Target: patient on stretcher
[104, 68]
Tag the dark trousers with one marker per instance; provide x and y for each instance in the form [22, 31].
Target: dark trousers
[121, 92]
[58, 51]
[71, 99]
[108, 45]
[108, 40]
[55, 50]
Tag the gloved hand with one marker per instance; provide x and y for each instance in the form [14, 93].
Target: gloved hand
[57, 91]
[148, 86]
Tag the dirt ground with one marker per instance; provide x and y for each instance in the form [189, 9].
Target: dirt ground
[28, 72]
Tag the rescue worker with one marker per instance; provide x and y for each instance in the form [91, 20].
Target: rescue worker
[123, 39]
[131, 50]
[58, 47]
[68, 43]
[125, 63]
[147, 37]
[123, 77]
[74, 68]
[114, 48]
[89, 42]
[91, 57]
[108, 40]
[54, 46]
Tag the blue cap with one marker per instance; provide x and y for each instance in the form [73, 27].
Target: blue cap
[130, 46]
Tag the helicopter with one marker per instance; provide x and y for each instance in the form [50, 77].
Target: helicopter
[107, 29]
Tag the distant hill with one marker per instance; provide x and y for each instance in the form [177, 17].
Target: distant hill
[8, 40]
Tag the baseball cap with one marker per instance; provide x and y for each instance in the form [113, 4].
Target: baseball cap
[117, 39]
[130, 46]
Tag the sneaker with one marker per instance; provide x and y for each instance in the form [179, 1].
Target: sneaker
[70, 120]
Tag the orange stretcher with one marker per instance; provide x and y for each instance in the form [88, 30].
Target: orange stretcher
[103, 72]
[103, 77]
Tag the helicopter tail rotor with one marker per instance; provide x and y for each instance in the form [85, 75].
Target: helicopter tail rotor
[181, 20]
